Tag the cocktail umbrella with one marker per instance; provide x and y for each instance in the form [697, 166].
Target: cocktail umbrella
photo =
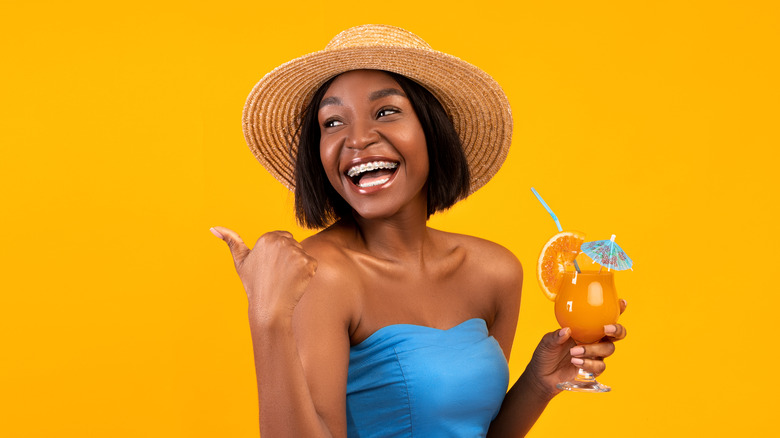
[607, 253]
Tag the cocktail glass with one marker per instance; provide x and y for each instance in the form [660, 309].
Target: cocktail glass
[586, 302]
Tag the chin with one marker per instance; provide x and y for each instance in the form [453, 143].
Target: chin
[374, 212]
[389, 209]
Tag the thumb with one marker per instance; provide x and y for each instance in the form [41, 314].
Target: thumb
[238, 248]
[557, 337]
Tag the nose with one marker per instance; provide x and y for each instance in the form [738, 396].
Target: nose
[361, 134]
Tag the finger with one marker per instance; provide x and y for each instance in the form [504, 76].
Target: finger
[292, 240]
[238, 248]
[594, 366]
[300, 253]
[615, 331]
[311, 264]
[284, 235]
[623, 304]
[592, 351]
[561, 336]
[554, 339]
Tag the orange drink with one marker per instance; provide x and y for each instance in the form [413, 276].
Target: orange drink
[587, 305]
[584, 301]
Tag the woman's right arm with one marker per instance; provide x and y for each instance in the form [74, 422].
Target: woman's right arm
[301, 341]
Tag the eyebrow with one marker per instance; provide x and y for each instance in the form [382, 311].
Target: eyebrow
[376, 95]
[333, 100]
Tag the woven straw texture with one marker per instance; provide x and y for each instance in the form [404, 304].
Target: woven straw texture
[475, 102]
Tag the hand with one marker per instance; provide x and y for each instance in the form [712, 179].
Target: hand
[557, 358]
[274, 273]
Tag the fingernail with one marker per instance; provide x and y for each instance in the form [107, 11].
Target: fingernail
[610, 329]
[562, 332]
[576, 351]
[216, 233]
[623, 302]
[577, 361]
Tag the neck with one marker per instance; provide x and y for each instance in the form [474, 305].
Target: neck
[402, 238]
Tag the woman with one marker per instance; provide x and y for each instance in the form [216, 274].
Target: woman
[379, 325]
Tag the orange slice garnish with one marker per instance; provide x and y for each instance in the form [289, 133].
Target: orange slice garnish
[558, 253]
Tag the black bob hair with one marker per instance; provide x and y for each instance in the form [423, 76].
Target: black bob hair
[317, 204]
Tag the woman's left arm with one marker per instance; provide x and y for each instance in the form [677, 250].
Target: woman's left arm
[556, 359]
[527, 398]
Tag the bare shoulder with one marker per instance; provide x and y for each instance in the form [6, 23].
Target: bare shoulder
[499, 276]
[326, 247]
[332, 291]
[496, 262]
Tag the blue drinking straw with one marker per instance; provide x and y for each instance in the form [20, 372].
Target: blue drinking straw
[547, 207]
[555, 218]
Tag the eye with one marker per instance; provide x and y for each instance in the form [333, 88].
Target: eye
[387, 111]
[330, 123]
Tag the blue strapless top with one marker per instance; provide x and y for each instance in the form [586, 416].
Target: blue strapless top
[408, 380]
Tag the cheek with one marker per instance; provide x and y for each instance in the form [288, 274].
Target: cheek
[425, 168]
[330, 162]
[419, 157]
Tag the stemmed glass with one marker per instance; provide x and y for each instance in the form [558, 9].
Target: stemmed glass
[586, 302]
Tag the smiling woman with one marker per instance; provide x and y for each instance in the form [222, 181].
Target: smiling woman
[373, 124]
[379, 325]
[318, 203]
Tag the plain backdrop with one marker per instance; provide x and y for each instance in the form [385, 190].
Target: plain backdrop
[120, 127]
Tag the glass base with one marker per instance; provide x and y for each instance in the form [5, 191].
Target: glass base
[584, 382]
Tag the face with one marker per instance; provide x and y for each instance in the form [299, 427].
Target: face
[372, 145]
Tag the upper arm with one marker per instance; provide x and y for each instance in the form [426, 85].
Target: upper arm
[507, 276]
[321, 324]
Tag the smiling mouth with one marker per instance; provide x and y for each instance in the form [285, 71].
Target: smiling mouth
[372, 173]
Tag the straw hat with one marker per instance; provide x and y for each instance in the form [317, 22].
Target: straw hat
[474, 101]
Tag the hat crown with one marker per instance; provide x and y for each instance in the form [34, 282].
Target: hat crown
[373, 35]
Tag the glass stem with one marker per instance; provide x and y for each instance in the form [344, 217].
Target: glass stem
[584, 376]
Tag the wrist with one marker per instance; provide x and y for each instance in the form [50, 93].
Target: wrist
[537, 386]
[265, 305]
[267, 319]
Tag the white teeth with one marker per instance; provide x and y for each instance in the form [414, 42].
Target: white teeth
[367, 167]
[375, 183]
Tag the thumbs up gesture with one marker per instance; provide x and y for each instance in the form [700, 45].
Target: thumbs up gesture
[274, 273]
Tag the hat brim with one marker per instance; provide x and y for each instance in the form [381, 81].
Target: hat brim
[474, 101]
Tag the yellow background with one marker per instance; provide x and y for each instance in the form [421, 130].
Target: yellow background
[121, 315]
